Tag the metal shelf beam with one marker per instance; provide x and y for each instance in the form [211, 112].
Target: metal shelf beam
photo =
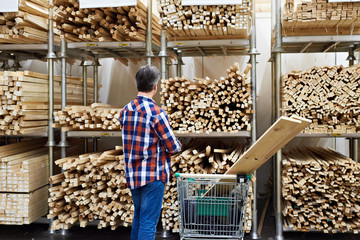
[214, 134]
[329, 135]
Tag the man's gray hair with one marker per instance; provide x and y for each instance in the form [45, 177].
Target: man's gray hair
[146, 78]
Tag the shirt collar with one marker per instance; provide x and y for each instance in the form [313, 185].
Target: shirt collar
[145, 98]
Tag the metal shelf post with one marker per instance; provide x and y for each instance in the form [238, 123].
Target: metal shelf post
[163, 54]
[63, 144]
[277, 50]
[50, 57]
[353, 142]
[253, 52]
[149, 52]
[96, 65]
[179, 64]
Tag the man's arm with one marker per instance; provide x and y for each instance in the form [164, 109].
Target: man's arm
[163, 130]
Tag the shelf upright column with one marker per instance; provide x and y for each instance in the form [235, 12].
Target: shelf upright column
[179, 64]
[96, 65]
[5, 66]
[63, 144]
[353, 142]
[149, 52]
[84, 63]
[50, 57]
[277, 50]
[163, 54]
[253, 52]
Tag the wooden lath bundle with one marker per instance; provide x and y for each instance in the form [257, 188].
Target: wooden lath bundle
[104, 24]
[329, 96]
[28, 25]
[24, 179]
[24, 100]
[206, 105]
[320, 17]
[204, 22]
[321, 190]
[95, 117]
[93, 186]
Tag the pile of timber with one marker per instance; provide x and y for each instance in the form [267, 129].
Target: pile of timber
[321, 190]
[93, 186]
[104, 24]
[28, 25]
[204, 21]
[24, 100]
[24, 178]
[329, 96]
[95, 117]
[205, 105]
[320, 17]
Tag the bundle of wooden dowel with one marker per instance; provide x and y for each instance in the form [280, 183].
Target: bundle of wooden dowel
[320, 17]
[328, 95]
[104, 24]
[24, 100]
[321, 190]
[204, 21]
[24, 178]
[95, 117]
[93, 186]
[200, 158]
[205, 105]
[28, 25]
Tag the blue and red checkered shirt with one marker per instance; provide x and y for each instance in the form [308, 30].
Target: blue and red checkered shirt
[148, 142]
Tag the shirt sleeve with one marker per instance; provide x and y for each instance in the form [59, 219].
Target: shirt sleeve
[163, 130]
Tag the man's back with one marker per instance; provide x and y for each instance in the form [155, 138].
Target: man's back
[148, 142]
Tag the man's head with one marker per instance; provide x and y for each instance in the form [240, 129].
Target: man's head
[147, 78]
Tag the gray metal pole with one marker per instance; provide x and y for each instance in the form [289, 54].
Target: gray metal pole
[84, 72]
[179, 64]
[253, 51]
[63, 142]
[149, 52]
[96, 65]
[163, 54]
[277, 54]
[353, 142]
[50, 57]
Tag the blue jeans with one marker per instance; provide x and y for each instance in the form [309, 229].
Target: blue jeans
[148, 202]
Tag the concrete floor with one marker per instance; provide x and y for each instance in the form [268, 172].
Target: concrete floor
[40, 232]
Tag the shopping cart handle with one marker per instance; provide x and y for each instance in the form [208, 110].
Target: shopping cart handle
[216, 176]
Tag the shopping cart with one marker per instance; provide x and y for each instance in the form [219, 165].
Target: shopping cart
[212, 206]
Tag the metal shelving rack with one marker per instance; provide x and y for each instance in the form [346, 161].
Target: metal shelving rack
[216, 47]
[304, 44]
[96, 50]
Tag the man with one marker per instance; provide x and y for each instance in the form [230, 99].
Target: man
[148, 142]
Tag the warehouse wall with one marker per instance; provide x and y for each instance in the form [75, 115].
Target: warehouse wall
[118, 85]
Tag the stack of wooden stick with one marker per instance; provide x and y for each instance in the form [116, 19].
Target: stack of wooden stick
[24, 100]
[320, 17]
[104, 24]
[204, 22]
[95, 117]
[321, 190]
[28, 25]
[329, 96]
[93, 186]
[206, 105]
[24, 178]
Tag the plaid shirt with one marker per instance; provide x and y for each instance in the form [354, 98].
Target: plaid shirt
[148, 142]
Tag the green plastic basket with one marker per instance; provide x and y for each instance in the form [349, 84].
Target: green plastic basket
[212, 207]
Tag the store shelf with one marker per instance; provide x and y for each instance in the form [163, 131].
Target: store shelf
[36, 134]
[112, 49]
[287, 229]
[329, 135]
[233, 47]
[312, 44]
[93, 134]
[214, 134]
